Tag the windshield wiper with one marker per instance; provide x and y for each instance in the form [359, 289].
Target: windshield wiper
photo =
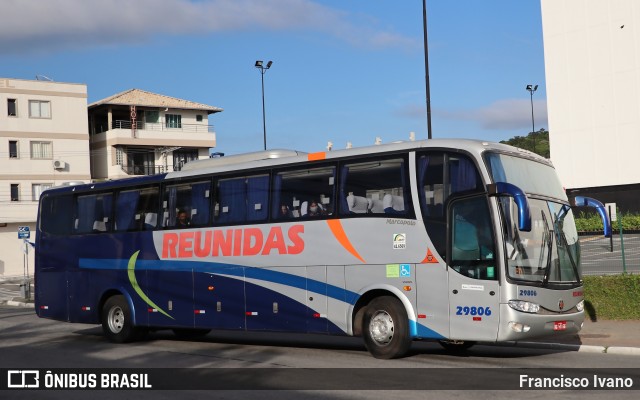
[562, 240]
[548, 240]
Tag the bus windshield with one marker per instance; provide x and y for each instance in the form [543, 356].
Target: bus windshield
[531, 176]
[550, 252]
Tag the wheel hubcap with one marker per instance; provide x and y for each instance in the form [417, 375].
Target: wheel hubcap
[381, 328]
[116, 319]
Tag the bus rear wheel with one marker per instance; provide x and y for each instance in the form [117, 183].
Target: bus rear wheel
[117, 322]
[386, 328]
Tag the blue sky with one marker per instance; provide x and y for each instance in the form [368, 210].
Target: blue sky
[348, 70]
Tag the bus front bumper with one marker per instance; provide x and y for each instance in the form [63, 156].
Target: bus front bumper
[517, 325]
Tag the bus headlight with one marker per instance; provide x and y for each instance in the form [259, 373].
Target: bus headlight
[580, 306]
[524, 306]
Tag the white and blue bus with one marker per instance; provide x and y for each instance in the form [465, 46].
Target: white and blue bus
[451, 240]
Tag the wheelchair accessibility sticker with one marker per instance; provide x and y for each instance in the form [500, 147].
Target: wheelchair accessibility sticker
[398, 270]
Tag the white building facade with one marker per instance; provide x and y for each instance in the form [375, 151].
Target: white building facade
[592, 63]
[136, 132]
[44, 142]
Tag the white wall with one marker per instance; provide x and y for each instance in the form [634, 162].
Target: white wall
[592, 64]
[12, 256]
[66, 129]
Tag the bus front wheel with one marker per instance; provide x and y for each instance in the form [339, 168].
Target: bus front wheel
[386, 328]
[117, 323]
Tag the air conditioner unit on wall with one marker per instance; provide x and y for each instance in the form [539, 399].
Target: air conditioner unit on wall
[58, 164]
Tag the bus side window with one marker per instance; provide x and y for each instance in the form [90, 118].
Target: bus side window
[472, 240]
[136, 209]
[93, 213]
[242, 199]
[126, 204]
[376, 187]
[147, 212]
[294, 190]
[441, 175]
[56, 215]
[189, 198]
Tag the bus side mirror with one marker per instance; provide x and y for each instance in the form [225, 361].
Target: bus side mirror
[582, 201]
[519, 197]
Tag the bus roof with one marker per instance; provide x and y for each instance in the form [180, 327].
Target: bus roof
[281, 157]
[270, 158]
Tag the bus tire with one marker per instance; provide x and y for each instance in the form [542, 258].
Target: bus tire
[456, 346]
[190, 333]
[385, 328]
[117, 323]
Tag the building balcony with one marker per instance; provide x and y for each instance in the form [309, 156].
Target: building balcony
[149, 169]
[150, 134]
[148, 126]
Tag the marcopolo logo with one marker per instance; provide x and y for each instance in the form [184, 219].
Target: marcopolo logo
[399, 241]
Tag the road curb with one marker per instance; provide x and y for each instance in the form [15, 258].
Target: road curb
[629, 351]
[18, 304]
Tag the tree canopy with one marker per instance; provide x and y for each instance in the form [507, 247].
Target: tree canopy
[537, 142]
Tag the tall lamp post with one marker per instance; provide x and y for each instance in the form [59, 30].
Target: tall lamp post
[426, 67]
[263, 69]
[532, 89]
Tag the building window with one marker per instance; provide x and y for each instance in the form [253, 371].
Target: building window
[199, 118]
[173, 120]
[119, 156]
[15, 192]
[38, 188]
[13, 149]
[41, 150]
[39, 109]
[12, 107]
[152, 116]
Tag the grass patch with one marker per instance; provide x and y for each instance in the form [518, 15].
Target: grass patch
[591, 222]
[614, 297]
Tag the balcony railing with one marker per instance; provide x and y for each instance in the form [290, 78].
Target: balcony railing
[149, 169]
[148, 126]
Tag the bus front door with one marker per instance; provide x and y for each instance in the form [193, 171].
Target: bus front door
[473, 308]
[472, 271]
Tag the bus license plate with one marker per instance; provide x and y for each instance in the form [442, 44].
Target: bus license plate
[559, 325]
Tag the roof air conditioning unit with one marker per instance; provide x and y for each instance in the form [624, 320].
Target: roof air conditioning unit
[58, 164]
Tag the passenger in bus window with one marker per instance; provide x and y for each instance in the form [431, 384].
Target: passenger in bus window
[315, 210]
[285, 213]
[182, 220]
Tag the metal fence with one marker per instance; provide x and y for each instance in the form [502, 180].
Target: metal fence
[609, 256]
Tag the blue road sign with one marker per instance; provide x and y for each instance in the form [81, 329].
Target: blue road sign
[24, 232]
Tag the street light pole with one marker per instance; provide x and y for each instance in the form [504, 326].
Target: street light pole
[263, 69]
[532, 89]
[426, 67]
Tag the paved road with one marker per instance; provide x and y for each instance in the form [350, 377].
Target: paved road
[27, 342]
[597, 258]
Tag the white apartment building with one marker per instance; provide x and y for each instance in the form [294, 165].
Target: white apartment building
[592, 64]
[44, 142]
[136, 132]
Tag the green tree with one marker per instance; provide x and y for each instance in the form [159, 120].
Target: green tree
[537, 142]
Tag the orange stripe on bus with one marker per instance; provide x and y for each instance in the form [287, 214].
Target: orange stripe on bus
[321, 155]
[341, 236]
